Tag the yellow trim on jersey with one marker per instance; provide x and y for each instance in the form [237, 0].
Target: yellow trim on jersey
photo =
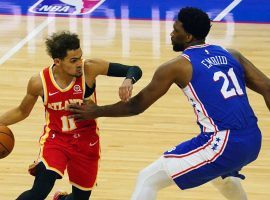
[97, 128]
[47, 129]
[83, 79]
[42, 141]
[45, 135]
[82, 188]
[45, 91]
[57, 86]
[51, 168]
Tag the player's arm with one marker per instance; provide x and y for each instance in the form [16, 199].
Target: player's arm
[175, 71]
[101, 67]
[19, 113]
[255, 79]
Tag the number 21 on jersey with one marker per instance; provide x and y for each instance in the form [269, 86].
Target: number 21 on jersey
[68, 124]
[225, 91]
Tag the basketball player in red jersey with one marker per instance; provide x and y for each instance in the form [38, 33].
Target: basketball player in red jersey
[66, 144]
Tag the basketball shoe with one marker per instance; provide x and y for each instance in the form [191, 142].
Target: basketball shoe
[59, 194]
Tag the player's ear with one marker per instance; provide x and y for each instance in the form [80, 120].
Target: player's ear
[189, 38]
[56, 61]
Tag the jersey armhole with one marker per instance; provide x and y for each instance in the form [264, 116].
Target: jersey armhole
[44, 87]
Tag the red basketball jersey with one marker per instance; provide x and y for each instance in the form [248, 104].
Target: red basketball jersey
[56, 99]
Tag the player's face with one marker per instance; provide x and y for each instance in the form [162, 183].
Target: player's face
[72, 63]
[179, 37]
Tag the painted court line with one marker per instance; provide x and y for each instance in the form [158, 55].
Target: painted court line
[30, 36]
[227, 10]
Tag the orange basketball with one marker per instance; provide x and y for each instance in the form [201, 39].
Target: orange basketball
[6, 141]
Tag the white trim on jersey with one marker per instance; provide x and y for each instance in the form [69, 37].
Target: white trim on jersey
[180, 164]
[202, 116]
[197, 46]
[186, 57]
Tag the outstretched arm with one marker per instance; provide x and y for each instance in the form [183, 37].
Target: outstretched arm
[23, 110]
[255, 79]
[174, 71]
[101, 67]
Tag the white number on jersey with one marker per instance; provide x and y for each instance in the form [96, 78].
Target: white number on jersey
[224, 89]
[68, 124]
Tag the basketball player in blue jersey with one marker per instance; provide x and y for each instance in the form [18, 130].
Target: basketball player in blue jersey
[214, 80]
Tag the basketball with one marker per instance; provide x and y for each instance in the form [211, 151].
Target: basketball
[6, 141]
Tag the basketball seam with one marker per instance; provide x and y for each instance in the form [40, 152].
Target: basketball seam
[10, 135]
[5, 147]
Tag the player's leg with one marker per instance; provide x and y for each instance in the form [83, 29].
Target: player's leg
[229, 184]
[82, 168]
[230, 187]
[80, 194]
[150, 180]
[159, 174]
[43, 184]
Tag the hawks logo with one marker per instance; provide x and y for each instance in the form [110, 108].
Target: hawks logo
[77, 89]
[66, 7]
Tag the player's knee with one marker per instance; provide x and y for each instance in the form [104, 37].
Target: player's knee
[144, 179]
[141, 177]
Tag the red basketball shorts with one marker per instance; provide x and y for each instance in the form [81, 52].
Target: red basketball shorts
[78, 153]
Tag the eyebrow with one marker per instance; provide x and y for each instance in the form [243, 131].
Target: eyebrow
[75, 58]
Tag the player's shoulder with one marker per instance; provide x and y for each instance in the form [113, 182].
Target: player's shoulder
[35, 83]
[182, 70]
[94, 62]
[36, 79]
[88, 62]
[178, 63]
[95, 67]
[235, 53]
[179, 67]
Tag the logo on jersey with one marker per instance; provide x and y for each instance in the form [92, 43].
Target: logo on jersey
[77, 89]
[93, 144]
[51, 94]
[65, 7]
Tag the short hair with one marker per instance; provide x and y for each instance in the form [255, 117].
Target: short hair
[195, 21]
[59, 43]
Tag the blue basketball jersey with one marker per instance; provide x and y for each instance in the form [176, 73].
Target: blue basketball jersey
[217, 89]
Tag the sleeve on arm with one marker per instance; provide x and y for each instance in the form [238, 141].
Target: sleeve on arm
[119, 70]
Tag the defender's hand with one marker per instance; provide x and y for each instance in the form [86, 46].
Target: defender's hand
[125, 90]
[83, 112]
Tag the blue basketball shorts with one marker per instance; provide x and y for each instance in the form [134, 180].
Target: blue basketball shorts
[210, 155]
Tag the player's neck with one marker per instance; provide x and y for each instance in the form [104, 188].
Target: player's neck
[62, 79]
[196, 42]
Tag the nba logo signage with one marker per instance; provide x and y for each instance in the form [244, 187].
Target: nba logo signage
[65, 7]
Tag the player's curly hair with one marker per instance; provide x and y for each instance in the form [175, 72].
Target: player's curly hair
[59, 43]
[195, 21]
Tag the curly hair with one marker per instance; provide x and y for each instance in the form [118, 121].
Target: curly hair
[195, 21]
[59, 43]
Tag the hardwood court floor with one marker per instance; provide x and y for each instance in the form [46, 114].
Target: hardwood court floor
[128, 144]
